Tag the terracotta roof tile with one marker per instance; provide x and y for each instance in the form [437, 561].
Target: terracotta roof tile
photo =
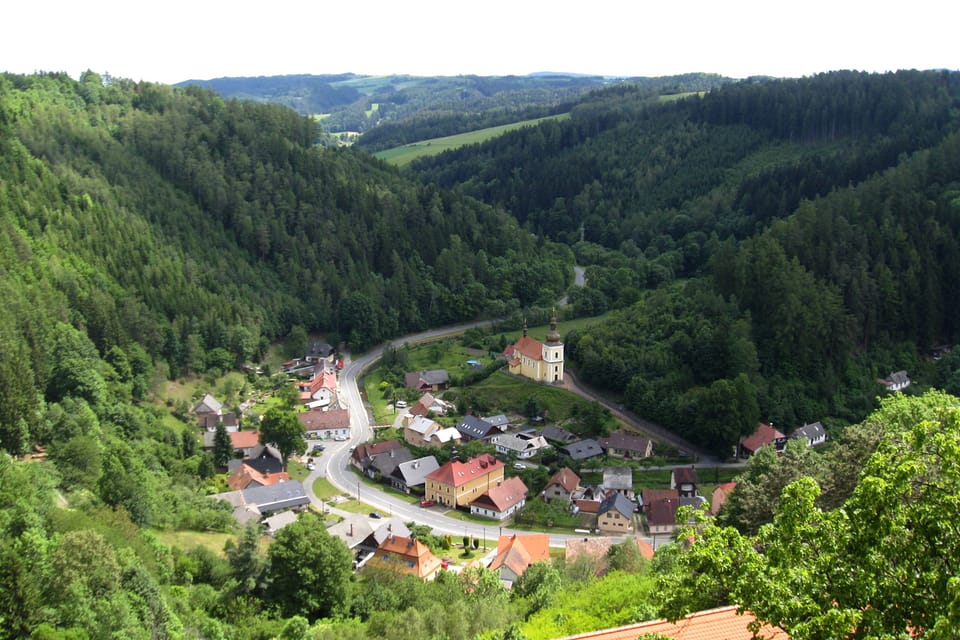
[456, 473]
[714, 624]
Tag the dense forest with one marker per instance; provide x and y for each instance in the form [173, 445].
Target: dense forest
[775, 246]
[766, 250]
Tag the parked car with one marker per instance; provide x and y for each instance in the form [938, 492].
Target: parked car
[401, 404]
[311, 466]
[427, 503]
[519, 465]
[340, 438]
[317, 448]
[376, 514]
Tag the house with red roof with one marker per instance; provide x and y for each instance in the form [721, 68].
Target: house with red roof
[457, 484]
[501, 501]
[515, 553]
[405, 555]
[764, 435]
[246, 476]
[723, 623]
[561, 486]
[720, 495]
[596, 549]
[540, 361]
[684, 480]
[322, 389]
[243, 442]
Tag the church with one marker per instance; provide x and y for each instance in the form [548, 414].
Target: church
[540, 361]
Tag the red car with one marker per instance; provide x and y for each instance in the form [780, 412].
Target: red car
[427, 503]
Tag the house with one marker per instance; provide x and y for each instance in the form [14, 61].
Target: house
[475, 428]
[321, 388]
[406, 555]
[684, 480]
[354, 530]
[561, 486]
[278, 521]
[501, 501]
[363, 456]
[595, 550]
[583, 449]
[814, 434]
[515, 553]
[433, 380]
[413, 473]
[764, 435]
[540, 361]
[254, 502]
[500, 421]
[615, 514]
[326, 425]
[623, 444]
[720, 495]
[442, 437]
[648, 496]
[896, 381]
[418, 429]
[246, 476]
[558, 436]
[263, 458]
[381, 467]
[208, 405]
[723, 623]
[619, 479]
[210, 421]
[456, 483]
[320, 352]
[243, 442]
[427, 404]
[662, 515]
[521, 445]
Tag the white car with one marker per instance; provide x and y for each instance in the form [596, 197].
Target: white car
[401, 404]
[340, 438]
[519, 465]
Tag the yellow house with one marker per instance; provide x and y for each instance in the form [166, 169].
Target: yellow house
[540, 361]
[458, 483]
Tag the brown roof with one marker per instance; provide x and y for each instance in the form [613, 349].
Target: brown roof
[333, 419]
[566, 479]
[625, 440]
[660, 512]
[244, 439]
[508, 493]
[685, 475]
[588, 506]
[765, 434]
[599, 547]
[723, 623]
[650, 495]
[456, 473]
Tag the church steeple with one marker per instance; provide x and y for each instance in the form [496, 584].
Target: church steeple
[554, 336]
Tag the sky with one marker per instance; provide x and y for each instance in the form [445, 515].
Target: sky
[178, 40]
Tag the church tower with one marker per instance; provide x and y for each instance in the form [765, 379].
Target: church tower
[553, 353]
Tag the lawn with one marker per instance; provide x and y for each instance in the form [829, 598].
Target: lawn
[404, 155]
[187, 540]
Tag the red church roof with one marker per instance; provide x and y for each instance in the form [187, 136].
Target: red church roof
[456, 473]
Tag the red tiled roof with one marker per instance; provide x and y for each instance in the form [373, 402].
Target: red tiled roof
[588, 506]
[405, 555]
[566, 479]
[727, 486]
[244, 439]
[456, 473]
[369, 450]
[333, 419]
[245, 475]
[518, 552]
[723, 623]
[649, 495]
[529, 347]
[765, 434]
[661, 512]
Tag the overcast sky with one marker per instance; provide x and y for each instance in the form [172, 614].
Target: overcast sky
[178, 40]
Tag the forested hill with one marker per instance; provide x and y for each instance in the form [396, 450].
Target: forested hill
[802, 235]
[171, 223]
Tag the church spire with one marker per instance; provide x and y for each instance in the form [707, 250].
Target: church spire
[554, 336]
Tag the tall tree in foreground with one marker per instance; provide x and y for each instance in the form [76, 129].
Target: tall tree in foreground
[884, 565]
[282, 429]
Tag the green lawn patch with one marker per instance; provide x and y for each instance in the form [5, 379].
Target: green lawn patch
[187, 540]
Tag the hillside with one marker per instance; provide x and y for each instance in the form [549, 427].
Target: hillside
[776, 245]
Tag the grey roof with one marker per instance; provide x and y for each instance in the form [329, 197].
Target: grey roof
[208, 404]
[387, 461]
[518, 444]
[556, 434]
[320, 350]
[393, 526]
[498, 420]
[273, 497]
[413, 473]
[583, 449]
[435, 376]
[353, 529]
[617, 502]
[810, 431]
[475, 428]
[620, 478]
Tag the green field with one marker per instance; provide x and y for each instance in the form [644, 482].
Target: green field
[401, 156]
